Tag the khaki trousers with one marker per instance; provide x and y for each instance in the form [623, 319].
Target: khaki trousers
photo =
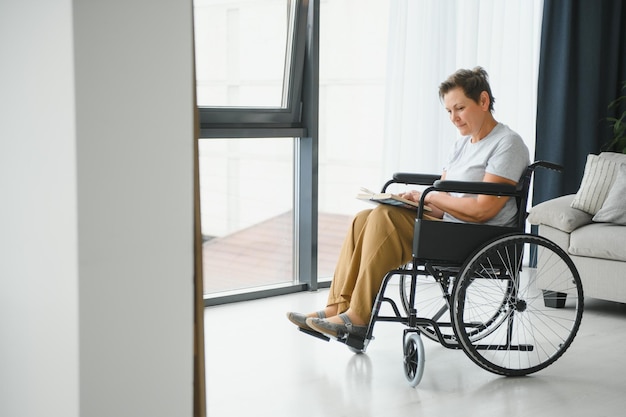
[379, 240]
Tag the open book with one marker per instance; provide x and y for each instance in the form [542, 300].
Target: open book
[388, 198]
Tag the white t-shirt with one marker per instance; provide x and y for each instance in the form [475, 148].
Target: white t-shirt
[502, 152]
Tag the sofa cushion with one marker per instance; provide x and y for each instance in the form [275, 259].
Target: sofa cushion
[620, 158]
[559, 214]
[599, 175]
[614, 207]
[599, 240]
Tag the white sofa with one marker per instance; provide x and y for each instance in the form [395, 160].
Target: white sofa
[591, 226]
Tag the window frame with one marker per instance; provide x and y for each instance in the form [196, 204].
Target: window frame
[299, 119]
[288, 116]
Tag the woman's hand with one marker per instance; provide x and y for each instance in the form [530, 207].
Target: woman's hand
[412, 195]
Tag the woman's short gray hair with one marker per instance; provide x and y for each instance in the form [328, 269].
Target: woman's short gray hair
[473, 82]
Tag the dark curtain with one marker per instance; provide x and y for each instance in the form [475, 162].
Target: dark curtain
[581, 70]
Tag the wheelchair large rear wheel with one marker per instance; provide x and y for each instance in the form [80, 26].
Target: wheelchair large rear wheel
[528, 336]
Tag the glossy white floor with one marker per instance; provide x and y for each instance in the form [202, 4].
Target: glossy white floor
[258, 363]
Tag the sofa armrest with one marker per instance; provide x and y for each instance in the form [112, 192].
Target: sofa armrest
[557, 213]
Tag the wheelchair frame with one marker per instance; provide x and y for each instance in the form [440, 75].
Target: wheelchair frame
[492, 301]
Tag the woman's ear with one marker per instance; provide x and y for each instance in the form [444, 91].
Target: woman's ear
[484, 100]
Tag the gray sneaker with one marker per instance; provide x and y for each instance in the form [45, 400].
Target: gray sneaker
[337, 330]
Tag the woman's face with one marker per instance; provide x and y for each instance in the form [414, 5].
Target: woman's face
[468, 116]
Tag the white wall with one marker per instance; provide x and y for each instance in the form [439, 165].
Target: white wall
[38, 239]
[96, 251]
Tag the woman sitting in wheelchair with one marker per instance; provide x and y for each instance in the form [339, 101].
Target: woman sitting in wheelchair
[381, 239]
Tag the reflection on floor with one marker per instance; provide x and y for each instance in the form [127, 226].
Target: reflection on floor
[257, 363]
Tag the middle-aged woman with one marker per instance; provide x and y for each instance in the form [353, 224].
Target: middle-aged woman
[380, 239]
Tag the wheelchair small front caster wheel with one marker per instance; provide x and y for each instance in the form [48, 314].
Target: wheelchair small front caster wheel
[413, 359]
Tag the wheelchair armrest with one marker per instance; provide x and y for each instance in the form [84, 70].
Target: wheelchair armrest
[548, 165]
[415, 178]
[475, 187]
[411, 178]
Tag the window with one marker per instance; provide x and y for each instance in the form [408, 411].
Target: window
[244, 53]
[246, 204]
[256, 149]
[249, 59]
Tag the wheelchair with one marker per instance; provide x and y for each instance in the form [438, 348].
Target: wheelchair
[511, 300]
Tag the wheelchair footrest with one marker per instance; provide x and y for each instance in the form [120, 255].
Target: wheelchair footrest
[314, 334]
[520, 348]
[355, 342]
